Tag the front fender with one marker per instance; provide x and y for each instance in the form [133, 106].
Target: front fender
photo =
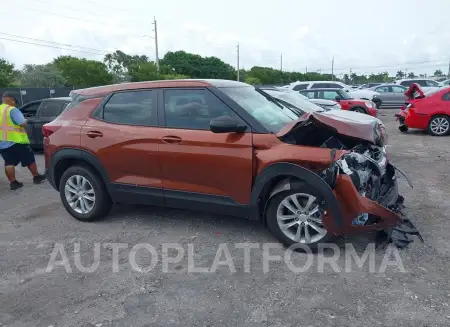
[276, 170]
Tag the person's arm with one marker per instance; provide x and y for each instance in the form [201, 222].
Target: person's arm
[17, 117]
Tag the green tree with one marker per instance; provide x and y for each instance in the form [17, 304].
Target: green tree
[7, 73]
[196, 66]
[438, 73]
[252, 80]
[139, 72]
[46, 75]
[82, 72]
[411, 75]
[119, 63]
[400, 74]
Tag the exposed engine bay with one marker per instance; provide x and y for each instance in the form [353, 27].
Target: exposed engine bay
[365, 162]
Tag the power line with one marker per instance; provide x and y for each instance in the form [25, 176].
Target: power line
[51, 46]
[56, 43]
[76, 18]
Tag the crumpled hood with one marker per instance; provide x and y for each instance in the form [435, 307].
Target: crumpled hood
[352, 124]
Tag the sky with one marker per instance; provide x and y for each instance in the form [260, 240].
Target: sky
[297, 35]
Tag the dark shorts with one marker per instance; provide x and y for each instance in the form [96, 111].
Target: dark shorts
[18, 153]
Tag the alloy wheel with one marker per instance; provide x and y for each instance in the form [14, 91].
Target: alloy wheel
[300, 218]
[439, 125]
[79, 194]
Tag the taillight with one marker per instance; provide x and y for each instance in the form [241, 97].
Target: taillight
[48, 130]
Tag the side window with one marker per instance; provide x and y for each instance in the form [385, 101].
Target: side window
[383, 89]
[432, 83]
[51, 108]
[398, 89]
[193, 109]
[446, 97]
[320, 86]
[334, 86]
[31, 109]
[131, 108]
[309, 95]
[422, 82]
[328, 95]
[407, 83]
[300, 87]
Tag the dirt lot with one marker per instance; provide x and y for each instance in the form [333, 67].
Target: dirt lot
[32, 220]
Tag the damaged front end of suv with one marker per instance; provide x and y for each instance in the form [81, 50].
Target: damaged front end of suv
[363, 180]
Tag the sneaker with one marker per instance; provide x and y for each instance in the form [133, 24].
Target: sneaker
[38, 179]
[15, 185]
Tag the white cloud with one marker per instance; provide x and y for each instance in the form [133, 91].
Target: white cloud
[306, 33]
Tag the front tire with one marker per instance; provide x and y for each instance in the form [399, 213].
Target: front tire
[296, 216]
[439, 125]
[84, 194]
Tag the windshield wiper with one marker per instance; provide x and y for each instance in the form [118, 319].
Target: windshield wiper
[268, 97]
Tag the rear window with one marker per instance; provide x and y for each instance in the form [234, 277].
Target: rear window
[76, 100]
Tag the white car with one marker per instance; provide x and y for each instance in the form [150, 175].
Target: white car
[357, 94]
[300, 101]
[444, 83]
[426, 84]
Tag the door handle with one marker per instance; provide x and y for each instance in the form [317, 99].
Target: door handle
[94, 134]
[171, 139]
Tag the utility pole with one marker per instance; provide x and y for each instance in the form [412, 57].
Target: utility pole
[281, 62]
[332, 69]
[350, 76]
[306, 69]
[406, 73]
[237, 49]
[156, 45]
[448, 73]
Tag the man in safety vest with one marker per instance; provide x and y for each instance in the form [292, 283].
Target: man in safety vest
[14, 143]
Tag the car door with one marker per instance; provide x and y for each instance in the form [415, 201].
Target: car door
[48, 111]
[123, 135]
[398, 96]
[385, 96]
[200, 167]
[30, 111]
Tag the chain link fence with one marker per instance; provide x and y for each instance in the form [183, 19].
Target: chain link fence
[28, 94]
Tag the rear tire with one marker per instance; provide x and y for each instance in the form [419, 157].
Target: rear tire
[302, 226]
[84, 194]
[439, 125]
[403, 128]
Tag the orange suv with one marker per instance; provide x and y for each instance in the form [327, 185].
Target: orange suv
[224, 147]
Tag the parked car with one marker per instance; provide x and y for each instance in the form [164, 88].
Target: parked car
[425, 83]
[357, 94]
[224, 147]
[39, 113]
[344, 99]
[426, 110]
[300, 105]
[444, 83]
[369, 85]
[391, 95]
[302, 102]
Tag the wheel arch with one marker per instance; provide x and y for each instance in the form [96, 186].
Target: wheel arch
[65, 158]
[358, 107]
[278, 177]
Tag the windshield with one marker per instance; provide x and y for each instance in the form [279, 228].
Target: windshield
[295, 99]
[344, 95]
[272, 116]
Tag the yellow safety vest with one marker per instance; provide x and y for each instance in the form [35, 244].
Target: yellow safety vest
[8, 130]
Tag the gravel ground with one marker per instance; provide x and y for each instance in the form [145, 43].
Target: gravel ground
[33, 220]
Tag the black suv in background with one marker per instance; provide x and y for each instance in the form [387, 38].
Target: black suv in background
[41, 112]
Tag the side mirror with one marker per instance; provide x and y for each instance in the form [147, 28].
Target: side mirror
[226, 124]
[337, 98]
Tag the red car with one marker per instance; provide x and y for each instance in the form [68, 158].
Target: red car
[426, 110]
[344, 99]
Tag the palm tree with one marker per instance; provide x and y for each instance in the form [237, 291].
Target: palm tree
[411, 75]
[400, 74]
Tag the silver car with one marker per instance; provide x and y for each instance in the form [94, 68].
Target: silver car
[391, 95]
